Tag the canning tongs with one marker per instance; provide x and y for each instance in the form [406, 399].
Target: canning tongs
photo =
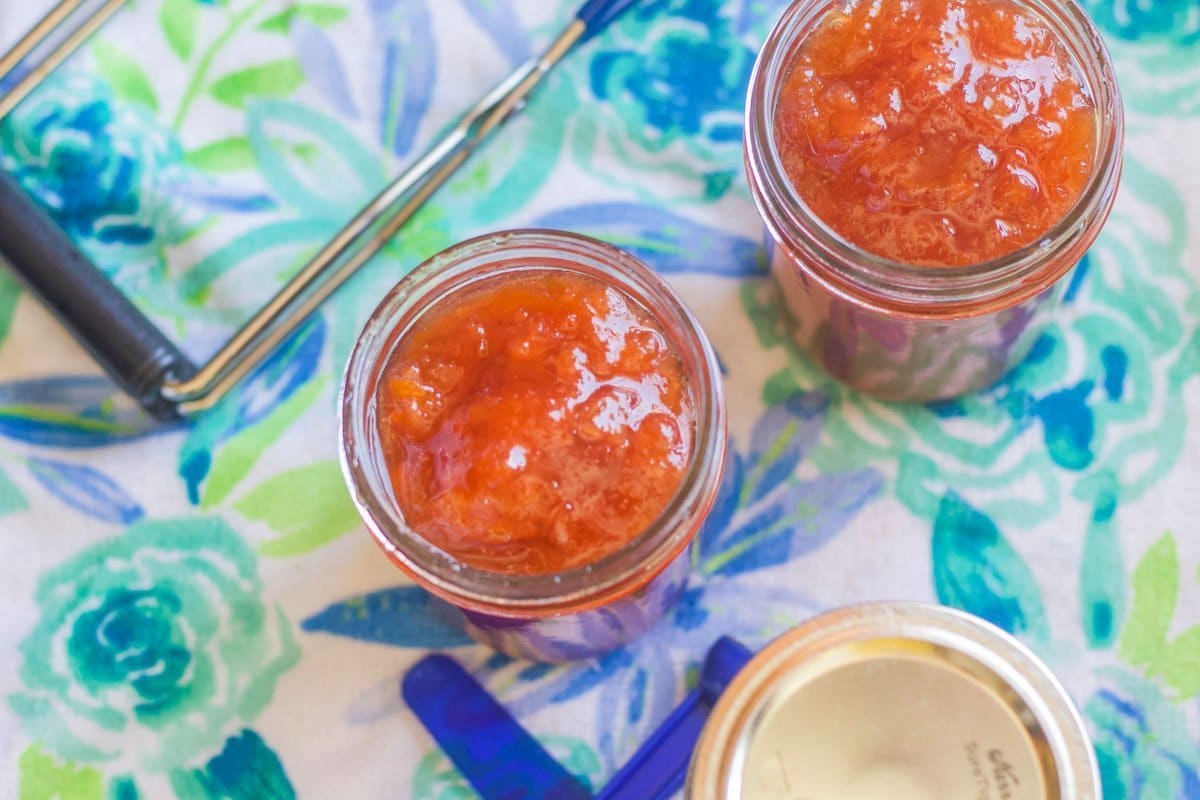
[123, 340]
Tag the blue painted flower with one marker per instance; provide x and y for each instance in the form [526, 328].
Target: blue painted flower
[156, 643]
[1142, 741]
[671, 76]
[685, 76]
[104, 171]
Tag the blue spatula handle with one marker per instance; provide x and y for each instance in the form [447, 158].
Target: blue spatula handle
[657, 770]
[495, 754]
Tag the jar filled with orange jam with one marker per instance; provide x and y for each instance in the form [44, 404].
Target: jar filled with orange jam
[533, 428]
[929, 172]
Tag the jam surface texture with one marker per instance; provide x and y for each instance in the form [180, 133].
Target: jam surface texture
[935, 132]
[534, 423]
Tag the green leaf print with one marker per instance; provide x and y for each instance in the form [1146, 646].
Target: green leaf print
[125, 75]
[226, 155]
[319, 14]
[239, 456]
[180, 21]
[273, 79]
[309, 506]
[1145, 641]
[41, 776]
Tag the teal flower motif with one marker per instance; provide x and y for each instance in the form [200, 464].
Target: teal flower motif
[684, 80]
[156, 643]
[104, 171]
[671, 78]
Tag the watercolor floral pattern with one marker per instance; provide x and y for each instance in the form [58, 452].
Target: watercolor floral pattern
[156, 644]
[200, 150]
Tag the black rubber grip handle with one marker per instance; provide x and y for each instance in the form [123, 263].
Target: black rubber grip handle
[119, 336]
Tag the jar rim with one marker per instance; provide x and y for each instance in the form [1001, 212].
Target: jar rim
[457, 268]
[821, 645]
[868, 277]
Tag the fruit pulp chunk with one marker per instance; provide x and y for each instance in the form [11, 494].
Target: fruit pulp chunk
[536, 423]
[936, 132]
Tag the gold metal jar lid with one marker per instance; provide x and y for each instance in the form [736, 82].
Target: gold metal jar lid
[902, 701]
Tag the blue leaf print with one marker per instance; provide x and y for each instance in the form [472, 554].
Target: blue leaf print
[561, 682]
[71, 411]
[633, 701]
[593, 675]
[323, 66]
[779, 440]
[725, 505]
[499, 20]
[406, 616]
[637, 696]
[86, 490]
[793, 521]
[689, 612]
[977, 570]
[212, 197]
[293, 365]
[666, 241]
[1078, 276]
[409, 70]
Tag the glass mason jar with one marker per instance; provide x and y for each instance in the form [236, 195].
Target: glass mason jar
[894, 700]
[580, 612]
[917, 333]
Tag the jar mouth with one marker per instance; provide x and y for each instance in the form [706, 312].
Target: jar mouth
[459, 268]
[965, 646]
[1027, 270]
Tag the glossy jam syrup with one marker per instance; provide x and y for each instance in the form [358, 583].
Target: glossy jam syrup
[936, 132]
[535, 423]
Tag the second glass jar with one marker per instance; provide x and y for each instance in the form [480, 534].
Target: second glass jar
[916, 333]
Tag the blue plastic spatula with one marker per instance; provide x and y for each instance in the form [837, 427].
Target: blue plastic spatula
[503, 762]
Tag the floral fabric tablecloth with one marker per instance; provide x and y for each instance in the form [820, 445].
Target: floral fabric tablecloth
[195, 611]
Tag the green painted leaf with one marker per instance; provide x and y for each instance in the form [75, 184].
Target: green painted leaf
[235, 460]
[226, 155]
[309, 506]
[977, 570]
[1145, 640]
[180, 21]
[11, 498]
[320, 14]
[273, 79]
[10, 293]
[125, 75]
[44, 777]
